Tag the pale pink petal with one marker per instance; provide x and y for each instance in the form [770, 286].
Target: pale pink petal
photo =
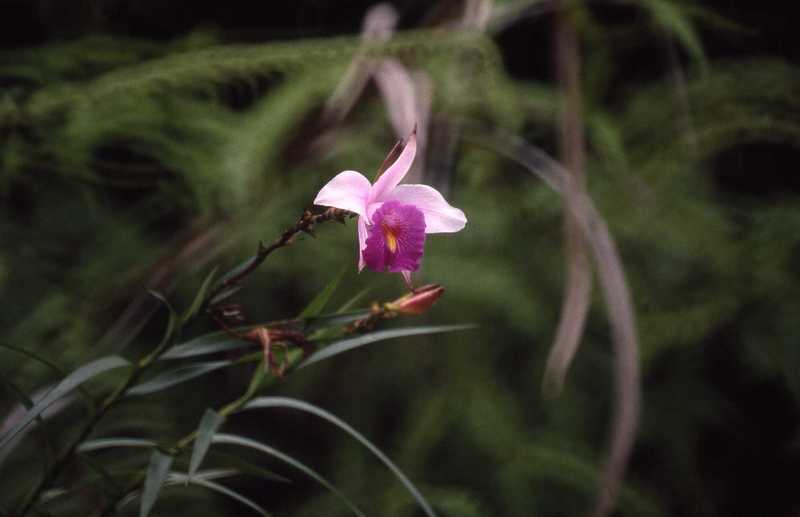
[396, 171]
[440, 217]
[347, 190]
[362, 242]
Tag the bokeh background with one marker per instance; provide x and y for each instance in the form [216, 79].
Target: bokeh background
[143, 142]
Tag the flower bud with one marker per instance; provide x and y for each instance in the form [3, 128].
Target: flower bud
[417, 301]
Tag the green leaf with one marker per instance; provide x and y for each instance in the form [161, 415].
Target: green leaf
[177, 376]
[319, 302]
[73, 380]
[173, 325]
[334, 320]
[209, 424]
[157, 471]
[255, 380]
[224, 294]
[242, 441]
[354, 300]
[348, 344]
[158, 295]
[199, 298]
[672, 18]
[236, 270]
[57, 369]
[216, 487]
[247, 468]
[208, 344]
[108, 443]
[285, 402]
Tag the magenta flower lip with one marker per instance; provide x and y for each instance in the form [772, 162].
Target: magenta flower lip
[393, 219]
[396, 238]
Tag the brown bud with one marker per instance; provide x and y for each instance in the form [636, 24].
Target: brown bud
[418, 301]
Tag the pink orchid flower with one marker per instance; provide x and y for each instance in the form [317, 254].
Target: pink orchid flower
[392, 218]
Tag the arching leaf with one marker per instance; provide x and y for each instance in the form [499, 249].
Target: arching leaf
[285, 402]
[178, 375]
[345, 345]
[73, 380]
[266, 449]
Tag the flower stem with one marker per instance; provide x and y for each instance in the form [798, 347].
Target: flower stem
[305, 224]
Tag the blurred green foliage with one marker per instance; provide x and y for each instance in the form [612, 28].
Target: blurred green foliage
[127, 163]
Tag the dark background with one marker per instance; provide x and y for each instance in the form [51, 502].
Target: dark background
[746, 458]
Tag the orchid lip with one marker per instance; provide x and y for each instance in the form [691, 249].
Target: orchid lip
[396, 238]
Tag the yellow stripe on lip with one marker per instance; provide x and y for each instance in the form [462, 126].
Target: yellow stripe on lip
[391, 238]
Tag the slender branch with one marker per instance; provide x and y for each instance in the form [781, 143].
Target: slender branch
[305, 224]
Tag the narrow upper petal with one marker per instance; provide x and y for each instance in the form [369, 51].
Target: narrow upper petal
[440, 216]
[347, 190]
[395, 173]
[362, 242]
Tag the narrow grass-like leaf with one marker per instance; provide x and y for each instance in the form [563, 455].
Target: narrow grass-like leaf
[319, 302]
[158, 295]
[216, 487]
[236, 270]
[209, 424]
[73, 380]
[178, 375]
[673, 19]
[242, 441]
[225, 294]
[349, 304]
[27, 403]
[157, 471]
[110, 443]
[350, 343]
[334, 320]
[247, 468]
[51, 365]
[285, 402]
[199, 297]
[205, 345]
[255, 380]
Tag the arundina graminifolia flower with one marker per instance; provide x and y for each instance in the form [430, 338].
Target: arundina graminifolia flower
[392, 218]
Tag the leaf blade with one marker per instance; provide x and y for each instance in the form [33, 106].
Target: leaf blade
[176, 376]
[231, 439]
[200, 297]
[209, 425]
[72, 381]
[348, 344]
[319, 302]
[107, 443]
[157, 471]
[216, 487]
[286, 402]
